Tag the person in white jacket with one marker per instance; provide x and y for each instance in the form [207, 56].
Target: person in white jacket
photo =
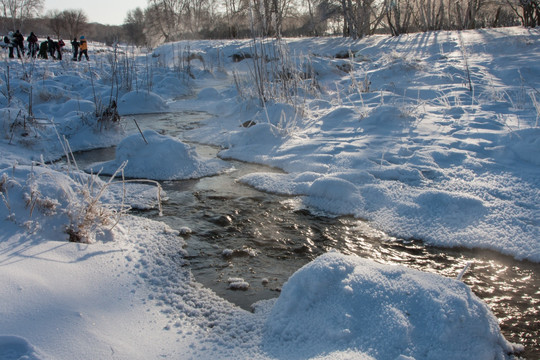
[11, 44]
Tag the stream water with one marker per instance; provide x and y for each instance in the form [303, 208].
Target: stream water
[239, 232]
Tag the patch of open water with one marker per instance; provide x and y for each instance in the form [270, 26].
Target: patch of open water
[239, 232]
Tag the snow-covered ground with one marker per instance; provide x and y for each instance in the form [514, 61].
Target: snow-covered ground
[432, 136]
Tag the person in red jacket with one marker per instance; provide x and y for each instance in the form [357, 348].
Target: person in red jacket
[59, 45]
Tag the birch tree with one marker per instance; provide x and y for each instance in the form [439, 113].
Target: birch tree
[20, 10]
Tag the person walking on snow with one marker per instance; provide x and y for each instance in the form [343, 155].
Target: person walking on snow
[83, 48]
[32, 45]
[44, 49]
[75, 47]
[12, 44]
[19, 42]
[59, 45]
[51, 47]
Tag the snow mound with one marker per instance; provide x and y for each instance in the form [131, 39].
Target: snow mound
[15, 347]
[257, 139]
[141, 103]
[522, 146]
[339, 303]
[335, 195]
[238, 284]
[77, 106]
[162, 158]
[209, 94]
[170, 86]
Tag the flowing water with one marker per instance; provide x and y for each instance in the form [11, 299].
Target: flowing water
[239, 232]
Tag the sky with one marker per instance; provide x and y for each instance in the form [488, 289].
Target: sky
[101, 11]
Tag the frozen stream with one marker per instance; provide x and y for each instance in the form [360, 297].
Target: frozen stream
[239, 232]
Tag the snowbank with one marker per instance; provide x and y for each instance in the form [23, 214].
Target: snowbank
[141, 102]
[158, 157]
[397, 139]
[339, 303]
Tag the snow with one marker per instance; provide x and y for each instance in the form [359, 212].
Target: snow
[238, 284]
[145, 154]
[341, 302]
[141, 103]
[393, 135]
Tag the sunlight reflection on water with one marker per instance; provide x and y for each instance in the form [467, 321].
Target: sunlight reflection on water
[264, 238]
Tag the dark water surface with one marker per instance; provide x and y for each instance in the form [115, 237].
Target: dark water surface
[239, 232]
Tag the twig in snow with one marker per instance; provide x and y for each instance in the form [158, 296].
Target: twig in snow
[140, 131]
[460, 276]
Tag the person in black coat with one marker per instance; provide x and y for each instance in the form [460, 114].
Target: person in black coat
[75, 47]
[33, 46]
[43, 49]
[19, 42]
[51, 46]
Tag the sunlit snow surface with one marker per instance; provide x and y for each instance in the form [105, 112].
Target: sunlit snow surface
[398, 138]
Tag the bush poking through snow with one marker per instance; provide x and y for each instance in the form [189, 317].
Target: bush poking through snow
[107, 115]
[40, 198]
[89, 215]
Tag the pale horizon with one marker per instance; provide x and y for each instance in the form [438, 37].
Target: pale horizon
[100, 11]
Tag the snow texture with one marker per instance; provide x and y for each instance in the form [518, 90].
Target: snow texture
[393, 135]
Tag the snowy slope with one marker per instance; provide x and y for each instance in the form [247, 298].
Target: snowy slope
[396, 135]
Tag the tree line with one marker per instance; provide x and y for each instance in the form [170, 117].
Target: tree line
[170, 20]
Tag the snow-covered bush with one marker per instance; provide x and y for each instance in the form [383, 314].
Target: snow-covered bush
[55, 204]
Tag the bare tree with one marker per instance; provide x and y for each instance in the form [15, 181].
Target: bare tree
[327, 10]
[498, 13]
[163, 19]
[398, 16]
[75, 21]
[170, 20]
[20, 10]
[281, 9]
[318, 13]
[429, 14]
[236, 12]
[196, 16]
[466, 13]
[134, 27]
[70, 22]
[259, 12]
[361, 17]
[311, 6]
[530, 11]
[268, 15]
[56, 22]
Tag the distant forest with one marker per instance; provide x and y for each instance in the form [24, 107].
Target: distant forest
[42, 28]
[170, 20]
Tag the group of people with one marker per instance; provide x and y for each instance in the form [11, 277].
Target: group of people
[14, 41]
[48, 48]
